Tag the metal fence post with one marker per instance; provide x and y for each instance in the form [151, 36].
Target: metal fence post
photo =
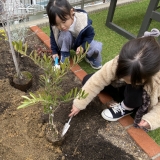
[82, 4]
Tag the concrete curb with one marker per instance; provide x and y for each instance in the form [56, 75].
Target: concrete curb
[151, 148]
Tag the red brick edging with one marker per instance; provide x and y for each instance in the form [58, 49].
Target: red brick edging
[139, 136]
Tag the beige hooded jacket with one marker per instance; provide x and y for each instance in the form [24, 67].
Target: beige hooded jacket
[106, 75]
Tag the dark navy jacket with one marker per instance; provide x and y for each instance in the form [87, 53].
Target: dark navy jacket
[85, 35]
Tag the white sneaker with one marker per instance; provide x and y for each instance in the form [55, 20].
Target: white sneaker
[115, 113]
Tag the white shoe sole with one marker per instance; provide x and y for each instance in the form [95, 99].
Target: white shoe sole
[92, 65]
[111, 119]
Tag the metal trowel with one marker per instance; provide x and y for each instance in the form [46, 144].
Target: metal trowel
[56, 64]
[66, 127]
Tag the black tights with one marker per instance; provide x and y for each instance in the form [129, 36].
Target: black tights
[131, 96]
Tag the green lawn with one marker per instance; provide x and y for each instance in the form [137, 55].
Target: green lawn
[129, 17]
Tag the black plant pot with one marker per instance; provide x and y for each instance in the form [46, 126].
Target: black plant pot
[22, 84]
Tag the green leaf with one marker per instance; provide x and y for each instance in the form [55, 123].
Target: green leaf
[25, 48]
[22, 106]
[71, 92]
[86, 45]
[32, 95]
[25, 97]
[85, 95]
[20, 45]
[75, 92]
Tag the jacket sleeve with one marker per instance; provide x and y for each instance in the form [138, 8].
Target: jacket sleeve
[96, 83]
[88, 36]
[54, 47]
[153, 117]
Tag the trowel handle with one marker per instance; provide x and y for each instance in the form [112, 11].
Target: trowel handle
[56, 61]
[70, 119]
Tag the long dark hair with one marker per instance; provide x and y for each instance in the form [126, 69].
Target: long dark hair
[139, 59]
[60, 8]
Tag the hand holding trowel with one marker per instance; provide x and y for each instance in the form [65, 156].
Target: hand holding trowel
[74, 112]
[56, 65]
[66, 127]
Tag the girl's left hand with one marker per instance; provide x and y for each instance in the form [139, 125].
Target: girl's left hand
[144, 124]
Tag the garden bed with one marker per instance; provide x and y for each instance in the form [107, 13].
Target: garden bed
[22, 132]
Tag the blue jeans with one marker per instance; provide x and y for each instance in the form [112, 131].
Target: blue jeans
[66, 41]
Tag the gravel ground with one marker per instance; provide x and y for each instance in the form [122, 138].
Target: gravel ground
[117, 135]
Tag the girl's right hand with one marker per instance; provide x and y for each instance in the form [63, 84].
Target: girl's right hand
[74, 111]
[54, 56]
[79, 49]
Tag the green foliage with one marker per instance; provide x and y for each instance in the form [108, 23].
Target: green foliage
[3, 35]
[155, 135]
[18, 46]
[51, 94]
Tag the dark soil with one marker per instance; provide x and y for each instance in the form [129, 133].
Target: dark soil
[22, 132]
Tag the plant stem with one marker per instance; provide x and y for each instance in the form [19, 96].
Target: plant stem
[51, 115]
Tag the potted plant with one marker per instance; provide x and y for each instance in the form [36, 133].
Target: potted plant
[50, 95]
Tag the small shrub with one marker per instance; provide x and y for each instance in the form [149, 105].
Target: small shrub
[50, 95]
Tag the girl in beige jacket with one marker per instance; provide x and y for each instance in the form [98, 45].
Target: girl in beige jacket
[136, 69]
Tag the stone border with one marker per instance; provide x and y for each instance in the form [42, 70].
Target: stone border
[139, 136]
